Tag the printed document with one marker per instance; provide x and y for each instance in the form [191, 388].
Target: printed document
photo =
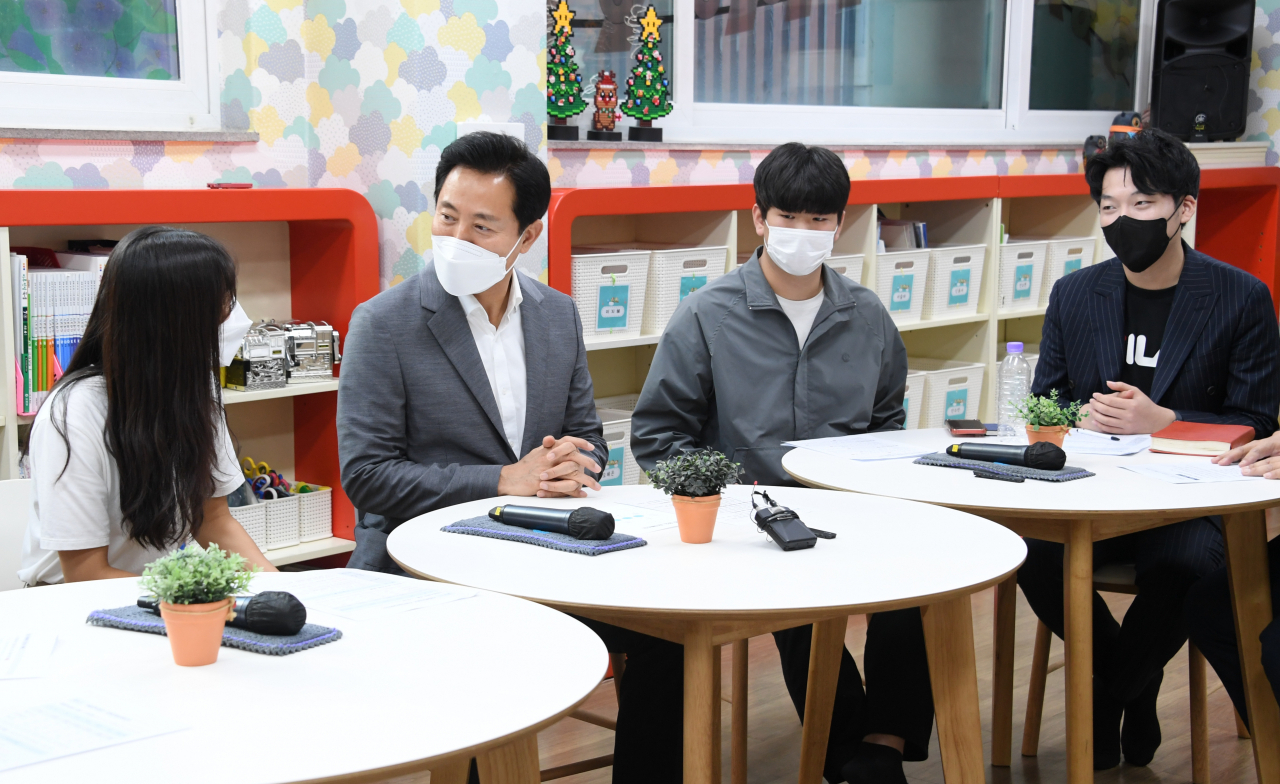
[365, 596]
[862, 447]
[1192, 473]
[1089, 442]
[25, 654]
[656, 514]
[74, 726]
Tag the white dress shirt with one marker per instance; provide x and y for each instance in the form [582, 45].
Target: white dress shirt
[502, 352]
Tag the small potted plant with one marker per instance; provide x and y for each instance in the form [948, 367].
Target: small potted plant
[196, 588]
[694, 481]
[1046, 419]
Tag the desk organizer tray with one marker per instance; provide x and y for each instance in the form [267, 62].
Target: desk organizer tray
[483, 526]
[136, 619]
[1065, 474]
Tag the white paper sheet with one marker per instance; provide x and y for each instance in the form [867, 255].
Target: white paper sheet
[362, 596]
[1192, 473]
[656, 514]
[1089, 442]
[862, 447]
[25, 654]
[74, 726]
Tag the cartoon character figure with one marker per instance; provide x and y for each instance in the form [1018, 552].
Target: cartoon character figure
[607, 115]
[903, 294]
[613, 309]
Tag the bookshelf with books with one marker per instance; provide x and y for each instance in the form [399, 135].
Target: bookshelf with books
[305, 253]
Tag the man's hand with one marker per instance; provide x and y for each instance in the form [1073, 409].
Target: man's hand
[1256, 458]
[557, 468]
[1127, 411]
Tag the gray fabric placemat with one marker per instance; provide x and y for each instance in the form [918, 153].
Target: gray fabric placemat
[1064, 474]
[137, 619]
[483, 526]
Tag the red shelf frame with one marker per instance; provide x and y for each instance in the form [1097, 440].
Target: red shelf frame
[333, 267]
[1238, 216]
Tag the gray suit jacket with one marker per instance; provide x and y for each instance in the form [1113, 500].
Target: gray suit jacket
[418, 426]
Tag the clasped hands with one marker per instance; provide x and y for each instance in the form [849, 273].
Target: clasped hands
[1126, 411]
[557, 469]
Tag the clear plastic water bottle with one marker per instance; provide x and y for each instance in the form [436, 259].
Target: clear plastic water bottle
[1014, 385]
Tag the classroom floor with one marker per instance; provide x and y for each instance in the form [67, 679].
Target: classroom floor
[774, 731]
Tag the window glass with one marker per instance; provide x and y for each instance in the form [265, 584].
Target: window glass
[1084, 54]
[900, 53]
[127, 39]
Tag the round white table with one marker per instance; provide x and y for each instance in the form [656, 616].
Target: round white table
[1079, 513]
[426, 689]
[741, 585]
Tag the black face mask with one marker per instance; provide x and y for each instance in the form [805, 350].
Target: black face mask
[1138, 243]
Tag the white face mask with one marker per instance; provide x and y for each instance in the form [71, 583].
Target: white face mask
[232, 333]
[467, 268]
[798, 251]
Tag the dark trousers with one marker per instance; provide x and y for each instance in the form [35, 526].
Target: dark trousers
[1211, 625]
[648, 747]
[897, 701]
[1168, 561]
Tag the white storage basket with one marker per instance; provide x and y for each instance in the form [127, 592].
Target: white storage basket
[619, 402]
[913, 399]
[282, 522]
[610, 291]
[622, 468]
[952, 390]
[901, 281]
[850, 266]
[315, 514]
[675, 273]
[955, 281]
[1021, 270]
[1063, 257]
[253, 519]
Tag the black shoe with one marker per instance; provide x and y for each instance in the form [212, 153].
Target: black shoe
[875, 764]
[1140, 736]
[1106, 729]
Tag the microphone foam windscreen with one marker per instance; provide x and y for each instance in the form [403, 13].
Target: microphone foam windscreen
[275, 612]
[1046, 456]
[588, 523]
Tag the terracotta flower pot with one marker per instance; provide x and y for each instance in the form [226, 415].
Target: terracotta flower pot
[195, 631]
[696, 517]
[1054, 435]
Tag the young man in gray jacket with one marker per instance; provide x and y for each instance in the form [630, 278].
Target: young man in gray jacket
[785, 348]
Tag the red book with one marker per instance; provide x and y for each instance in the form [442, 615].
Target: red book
[1199, 438]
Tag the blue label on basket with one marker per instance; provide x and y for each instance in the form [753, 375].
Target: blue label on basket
[906, 410]
[900, 293]
[1022, 281]
[613, 307]
[959, 294]
[613, 471]
[690, 284]
[1071, 265]
[957, 404]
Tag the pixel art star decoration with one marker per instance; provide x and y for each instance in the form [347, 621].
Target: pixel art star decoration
[564, 83]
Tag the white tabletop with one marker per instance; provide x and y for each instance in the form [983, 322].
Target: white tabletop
[413, 686]
[1113, 490]
[886, 551]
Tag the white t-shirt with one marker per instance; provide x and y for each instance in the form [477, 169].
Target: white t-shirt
[79, 509]
[802, 312]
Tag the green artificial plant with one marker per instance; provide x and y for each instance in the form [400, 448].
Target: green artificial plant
[194, 575]
[1040, 412]
[696, 474]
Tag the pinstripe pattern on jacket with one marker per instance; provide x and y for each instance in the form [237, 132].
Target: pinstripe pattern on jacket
[1220, 358]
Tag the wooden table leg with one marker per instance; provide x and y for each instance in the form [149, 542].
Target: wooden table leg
[514, 763]
[820, 696]
[738, 714]
[1246, 538]
[699, 705]
[1002, 672]
[1078, 604]
[953, 671]
[452, 772]
[717, 721]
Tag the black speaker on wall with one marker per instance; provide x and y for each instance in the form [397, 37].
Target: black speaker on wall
[1200, 71]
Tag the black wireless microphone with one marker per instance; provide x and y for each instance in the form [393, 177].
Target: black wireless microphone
[270, 612]
[1043, 455]
[583, 523]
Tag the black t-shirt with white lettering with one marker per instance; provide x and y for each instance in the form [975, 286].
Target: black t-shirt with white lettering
[1146, 313]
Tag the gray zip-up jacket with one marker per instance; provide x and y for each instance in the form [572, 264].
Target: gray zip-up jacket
[729, 374]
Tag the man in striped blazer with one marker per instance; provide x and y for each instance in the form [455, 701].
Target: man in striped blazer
[1159, 334]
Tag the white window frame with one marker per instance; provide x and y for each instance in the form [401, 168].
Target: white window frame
[190, 103]
[728, 123]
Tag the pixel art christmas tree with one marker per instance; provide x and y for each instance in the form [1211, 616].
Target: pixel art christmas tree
[649, 85]
[564, 83]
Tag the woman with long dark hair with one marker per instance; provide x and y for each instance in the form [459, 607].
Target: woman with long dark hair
[130, 454]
